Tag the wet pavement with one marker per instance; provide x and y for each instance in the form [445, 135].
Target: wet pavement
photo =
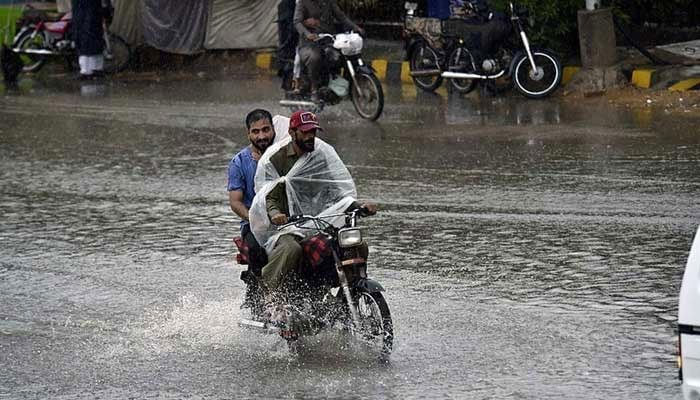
[530, 249]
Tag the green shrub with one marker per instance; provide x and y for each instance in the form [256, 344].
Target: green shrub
[8, 16]
[554, 23]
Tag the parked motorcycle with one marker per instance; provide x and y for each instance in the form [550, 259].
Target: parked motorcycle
[334, 294]
[345, 77]
[535, 72]
[40, 39]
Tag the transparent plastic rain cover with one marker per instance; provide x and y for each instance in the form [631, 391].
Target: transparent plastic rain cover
[318, 184]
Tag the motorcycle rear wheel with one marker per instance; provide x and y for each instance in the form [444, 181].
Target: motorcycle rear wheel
[375, 326]
[369, 102]
[540, 83]
[422, 58]
[461, 60]
[31, 62]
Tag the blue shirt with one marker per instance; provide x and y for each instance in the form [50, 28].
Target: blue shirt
[241, 176]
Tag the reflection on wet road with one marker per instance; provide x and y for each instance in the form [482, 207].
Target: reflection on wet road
[531, 249]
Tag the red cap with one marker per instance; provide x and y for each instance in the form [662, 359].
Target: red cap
[304, 121]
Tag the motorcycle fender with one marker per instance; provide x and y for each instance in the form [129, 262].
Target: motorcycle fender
[366, 69]
[368, 285]
[20, 33]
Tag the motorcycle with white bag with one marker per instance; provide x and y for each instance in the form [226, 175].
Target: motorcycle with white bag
[344, 76]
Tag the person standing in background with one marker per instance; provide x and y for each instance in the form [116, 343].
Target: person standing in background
[88, 31]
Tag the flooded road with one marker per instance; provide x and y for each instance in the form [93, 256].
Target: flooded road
[530, 249]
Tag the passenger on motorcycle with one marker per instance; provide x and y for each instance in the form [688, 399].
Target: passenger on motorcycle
[299, 175]
[311, 18]
[241, 191]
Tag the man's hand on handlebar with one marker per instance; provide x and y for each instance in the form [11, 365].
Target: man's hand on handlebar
[279, 219]
[368, 209]
[312, 37]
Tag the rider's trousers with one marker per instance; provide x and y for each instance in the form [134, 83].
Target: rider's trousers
[283, 259]
[310, 56]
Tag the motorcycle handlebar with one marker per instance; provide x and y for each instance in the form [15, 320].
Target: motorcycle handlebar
[295, 219]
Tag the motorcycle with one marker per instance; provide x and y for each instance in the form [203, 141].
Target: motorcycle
[535, 72]
[40, 39]
[346, 76]
[334, 293]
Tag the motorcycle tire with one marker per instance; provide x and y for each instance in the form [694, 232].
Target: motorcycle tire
[542, 82]
[461, 60]
[31, 62]
[369, 101]
[375, 325]
[422, 58]
[117, 54]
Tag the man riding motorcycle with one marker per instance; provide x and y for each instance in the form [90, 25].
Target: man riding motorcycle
[311, 18]
[299, 175]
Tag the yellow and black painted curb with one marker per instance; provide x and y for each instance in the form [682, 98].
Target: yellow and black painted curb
[646, 78]
[398, 72]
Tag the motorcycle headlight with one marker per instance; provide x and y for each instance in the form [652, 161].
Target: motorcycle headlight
[349, 237]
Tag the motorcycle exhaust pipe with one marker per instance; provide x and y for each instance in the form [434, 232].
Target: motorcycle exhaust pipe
[257, 325]
[427, 72]
[464, 75]
[34, 51]
[297, 103]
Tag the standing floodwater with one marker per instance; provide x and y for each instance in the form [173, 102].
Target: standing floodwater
[530, 249]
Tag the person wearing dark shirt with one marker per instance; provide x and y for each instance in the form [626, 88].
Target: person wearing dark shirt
[312, 17]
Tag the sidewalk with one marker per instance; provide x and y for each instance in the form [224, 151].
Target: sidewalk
[388, 59]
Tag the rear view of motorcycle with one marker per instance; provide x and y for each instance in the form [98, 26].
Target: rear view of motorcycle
[330, 290]
[495, 51]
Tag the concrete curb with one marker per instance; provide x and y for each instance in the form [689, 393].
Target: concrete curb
[399, 72]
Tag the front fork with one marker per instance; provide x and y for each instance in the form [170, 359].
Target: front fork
[351, 70]
[345, 286]
[526, 44]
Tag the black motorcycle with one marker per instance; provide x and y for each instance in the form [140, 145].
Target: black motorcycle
[333, 293]
[535, 72]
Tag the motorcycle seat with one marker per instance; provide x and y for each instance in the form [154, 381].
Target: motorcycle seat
[57, 27]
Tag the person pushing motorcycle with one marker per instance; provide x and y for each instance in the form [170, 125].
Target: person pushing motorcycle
[311, 18]
[294, 179]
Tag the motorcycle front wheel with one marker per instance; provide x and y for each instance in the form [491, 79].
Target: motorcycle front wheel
[541, 82]
[424, 58]
[375, 326]
[368, 99]
[117, 53]
[25, 41]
